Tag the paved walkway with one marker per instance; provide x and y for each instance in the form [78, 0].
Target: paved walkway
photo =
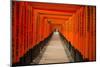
[55, 52]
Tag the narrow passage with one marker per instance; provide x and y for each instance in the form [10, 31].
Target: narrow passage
[55, 52]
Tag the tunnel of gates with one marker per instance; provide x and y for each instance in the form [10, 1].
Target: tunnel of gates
[33, 23]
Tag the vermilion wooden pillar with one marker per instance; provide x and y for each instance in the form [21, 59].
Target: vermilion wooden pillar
[94, 33]
[14, 17]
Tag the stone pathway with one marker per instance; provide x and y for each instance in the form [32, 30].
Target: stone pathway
[55, 52]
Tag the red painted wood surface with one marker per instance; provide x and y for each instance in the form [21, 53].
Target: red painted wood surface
[29, 27]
